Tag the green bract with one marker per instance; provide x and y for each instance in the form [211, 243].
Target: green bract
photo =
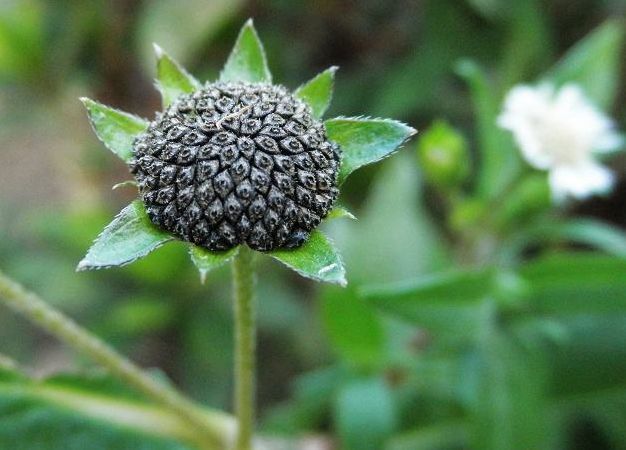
[361, 140]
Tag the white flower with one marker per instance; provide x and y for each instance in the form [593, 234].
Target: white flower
[560, 131]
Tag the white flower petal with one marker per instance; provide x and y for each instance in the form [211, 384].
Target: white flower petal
[560, 130]
[609, 143]
[580, 181]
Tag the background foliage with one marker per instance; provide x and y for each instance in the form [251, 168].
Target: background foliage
[477, 318]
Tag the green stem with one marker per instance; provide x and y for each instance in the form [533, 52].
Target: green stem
[214, 428]
[245, 345]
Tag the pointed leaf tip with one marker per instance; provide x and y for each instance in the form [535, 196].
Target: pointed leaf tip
[172, 78]
[206, 260]
[317, 259]
[318, 92]
[339, 212]
[247, 61]
[364, 141]
[116, 129]
[128, 237]
[158, 51]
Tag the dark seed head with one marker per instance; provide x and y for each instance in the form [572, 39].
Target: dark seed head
[237, 163]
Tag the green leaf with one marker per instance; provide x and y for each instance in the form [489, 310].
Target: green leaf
[576, 283]
[129, 237]
[81, 412]
[365, 141]
[247, 61]
[365, 414]
[528, 46]
[206, 260]
[499, 159]
[591, 232]
[316, 259]
[591, 360]
[172, 79]
[318, 92]
[339, 212]
[309, 404]
[458, 287]
[505, 387]
[116, 129]
[352, 327]
[434, 437]
[378, 249]
[450, 303]
[593, 64]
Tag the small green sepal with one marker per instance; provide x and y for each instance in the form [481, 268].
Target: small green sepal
[172, 78]
[206, 260]
[116, 129]
[318, 92]
[316, 259]
[247, 61]
[364, 141]
[129, 237]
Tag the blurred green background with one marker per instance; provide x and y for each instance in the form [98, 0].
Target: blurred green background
[508, 330]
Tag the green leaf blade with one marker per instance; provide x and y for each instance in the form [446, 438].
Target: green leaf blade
[575, 283]
[365, 141]
[499, 159]
[206, 260]
[247, 61]
[354, 330]
[365, 414]
[339, 212]
[80, 412]
[316, 259]
[590, 232]
[318, 92]
[172, 79]
[129, 237]
[593, 63]
[449, 304]
[116, 129]
[505, 394]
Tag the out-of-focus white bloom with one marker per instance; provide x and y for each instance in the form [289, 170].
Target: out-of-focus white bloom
[560, 131]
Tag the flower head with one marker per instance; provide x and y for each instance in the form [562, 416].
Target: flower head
[237, 161]
[561, 131]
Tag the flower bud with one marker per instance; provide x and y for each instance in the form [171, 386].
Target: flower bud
[443, 154]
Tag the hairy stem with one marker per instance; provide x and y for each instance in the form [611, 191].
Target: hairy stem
[214, 428]
[245, 346]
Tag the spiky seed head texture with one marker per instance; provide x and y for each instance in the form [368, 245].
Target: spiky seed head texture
[236, 163]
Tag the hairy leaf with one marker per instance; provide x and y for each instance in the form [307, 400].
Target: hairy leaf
[365, 141]
[116, 129]
[339, 212]
[206, 260]
[316, 259]
[318, 92]
[172, 79]
[129, 237]
[247, 60]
